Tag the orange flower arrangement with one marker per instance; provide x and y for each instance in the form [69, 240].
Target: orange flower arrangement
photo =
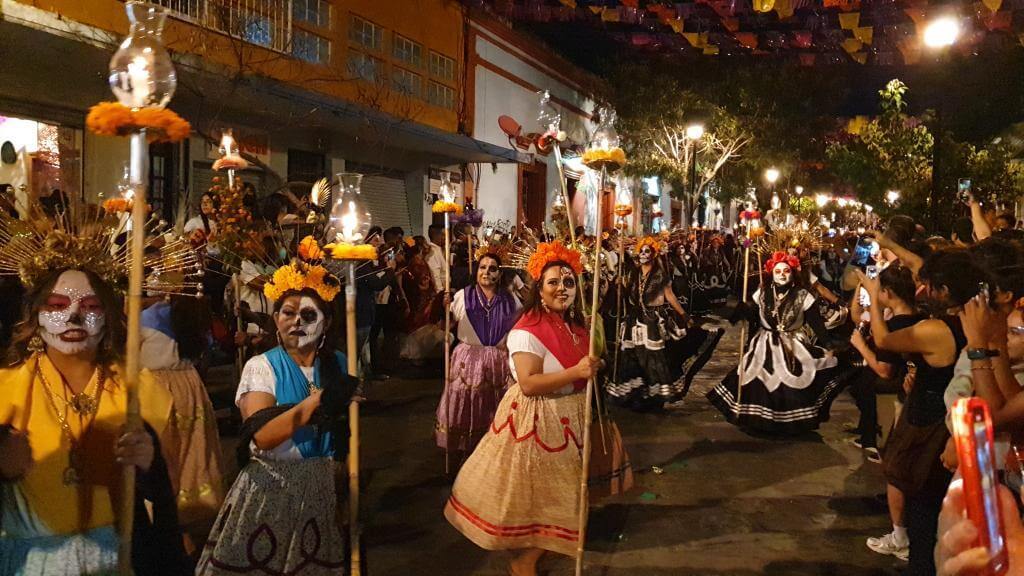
[115, 119]
[548, 252]
[115, 205]
[623, 210]
[346, 251]
[298, 277]
[442, 207]
[410, 241]
[309, 249]
[611, 159]
[649, 241]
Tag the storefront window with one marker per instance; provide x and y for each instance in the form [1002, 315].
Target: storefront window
[40, 160]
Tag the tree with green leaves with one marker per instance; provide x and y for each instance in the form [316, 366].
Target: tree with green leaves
[893, 151]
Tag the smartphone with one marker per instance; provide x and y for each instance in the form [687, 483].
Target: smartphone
[963, 190]
[871, 271]
[975, 447]
[862, 252]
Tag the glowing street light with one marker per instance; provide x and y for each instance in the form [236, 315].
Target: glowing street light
[799, 190]
[942, 32]
[892, 196]
[695, 131]
[771, 175]
[821, 200]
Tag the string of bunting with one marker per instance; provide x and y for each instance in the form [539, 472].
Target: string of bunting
[813, 31]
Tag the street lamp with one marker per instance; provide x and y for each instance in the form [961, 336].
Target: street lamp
[771, 175]
[942, 32]
[695, 131]
[799, 190]
[892, 197]
[821, 200]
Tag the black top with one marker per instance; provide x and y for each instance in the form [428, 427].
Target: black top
[925, 405]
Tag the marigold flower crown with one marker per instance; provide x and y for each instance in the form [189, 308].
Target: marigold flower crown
[655, 245]
[548, 252]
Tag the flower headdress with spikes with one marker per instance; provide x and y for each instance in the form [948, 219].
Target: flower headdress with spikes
[548, 252]
[89, 237]
[304, 273]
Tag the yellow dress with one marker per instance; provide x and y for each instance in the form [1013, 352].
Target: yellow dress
[50, 525]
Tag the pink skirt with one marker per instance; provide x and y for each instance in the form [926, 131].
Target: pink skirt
[479, 377]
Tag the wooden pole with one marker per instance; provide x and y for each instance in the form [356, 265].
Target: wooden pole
[744, 327]
[587, 410]
[565, 197]
[352, 357]
[447, 336]
[139, 152]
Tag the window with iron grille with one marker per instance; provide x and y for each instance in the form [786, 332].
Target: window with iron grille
[440, 95]
[365, 67]
[406, 82]
[407, 51]
[310, 47]
[365, 33]
[315, 12]
[442, 66]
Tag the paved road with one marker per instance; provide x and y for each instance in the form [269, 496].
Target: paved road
[725, 503]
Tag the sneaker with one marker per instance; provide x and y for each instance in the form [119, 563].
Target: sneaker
[871, 453]
[856, 442]
[887, 545]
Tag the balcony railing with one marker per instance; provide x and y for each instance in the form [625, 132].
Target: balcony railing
[267, 23]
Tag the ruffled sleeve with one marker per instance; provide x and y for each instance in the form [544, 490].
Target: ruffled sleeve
[257, 376]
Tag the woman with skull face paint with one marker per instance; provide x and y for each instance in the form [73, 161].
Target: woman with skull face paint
[659, 355]
[520, 487]
[789, 379]
[63, 401]
[483, 314]
[294, 402]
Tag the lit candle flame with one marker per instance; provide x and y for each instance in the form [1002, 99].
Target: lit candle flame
[349, 225]
[227, 144]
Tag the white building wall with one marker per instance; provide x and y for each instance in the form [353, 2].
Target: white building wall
[496, 96]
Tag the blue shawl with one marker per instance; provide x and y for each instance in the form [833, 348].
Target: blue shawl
[292, 387]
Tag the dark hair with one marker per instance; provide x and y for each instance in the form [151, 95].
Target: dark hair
[434, 229]
[1003, 260]
[956, 270]
[374, 231]
[190, 322]
[111, 347]
[899, 280]
[394, 233]
[901, 229]
[1009, 217]
[964, 230]
[533, 299]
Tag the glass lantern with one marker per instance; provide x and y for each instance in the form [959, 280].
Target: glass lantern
[349, 218]
[549, 118]
[446, 190]
[623, 201]
[141, 72]
[604, 150]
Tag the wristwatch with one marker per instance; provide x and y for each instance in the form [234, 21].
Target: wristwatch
[981, 354]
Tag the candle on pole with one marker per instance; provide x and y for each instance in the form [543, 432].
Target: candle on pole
[141, 76]
[446, 206]
[230, 160]
[754, 230]
[351, 222]
[602, 154]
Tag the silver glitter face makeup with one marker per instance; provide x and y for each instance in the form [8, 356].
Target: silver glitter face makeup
[72, 319]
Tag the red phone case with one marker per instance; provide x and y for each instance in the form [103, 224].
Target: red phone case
[975, 447]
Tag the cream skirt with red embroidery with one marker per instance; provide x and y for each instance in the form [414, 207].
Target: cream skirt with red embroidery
[520, 487]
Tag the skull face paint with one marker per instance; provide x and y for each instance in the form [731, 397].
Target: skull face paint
[782, 274]
[646, 254]
[300, 322]
[488, 272]
[72, 318]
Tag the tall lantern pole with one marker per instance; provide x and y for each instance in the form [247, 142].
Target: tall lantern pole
[604, 154]
[142, 78]
[446, 205]
[350, 222]
[231, 160]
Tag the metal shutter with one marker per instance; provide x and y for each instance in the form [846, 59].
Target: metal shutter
[387, 202]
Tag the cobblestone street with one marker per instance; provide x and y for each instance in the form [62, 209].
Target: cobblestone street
[724, 503]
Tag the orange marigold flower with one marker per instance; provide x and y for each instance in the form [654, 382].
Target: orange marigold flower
[548, 252]
[309, 249]
[648, 241]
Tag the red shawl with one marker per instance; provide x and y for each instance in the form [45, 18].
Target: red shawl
[553, 333]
